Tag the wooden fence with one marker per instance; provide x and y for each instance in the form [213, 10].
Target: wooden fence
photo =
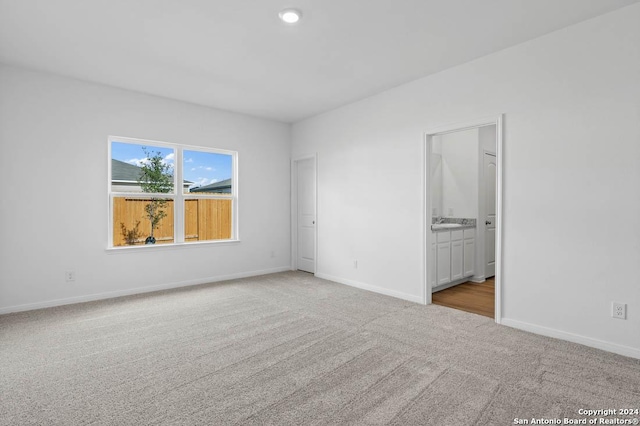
[205, 219]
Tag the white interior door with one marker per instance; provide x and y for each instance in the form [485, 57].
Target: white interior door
[306, 214]
[490, 174]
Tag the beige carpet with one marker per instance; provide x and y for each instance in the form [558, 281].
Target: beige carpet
[288, 349]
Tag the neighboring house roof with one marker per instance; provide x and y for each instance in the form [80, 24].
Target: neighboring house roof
[224, 186]
[125, 172]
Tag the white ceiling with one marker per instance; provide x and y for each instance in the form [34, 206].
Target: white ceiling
[236, 55]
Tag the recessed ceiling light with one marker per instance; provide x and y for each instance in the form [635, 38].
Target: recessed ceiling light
[290, 16]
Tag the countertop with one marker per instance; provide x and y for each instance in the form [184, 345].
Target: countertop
[450, 227]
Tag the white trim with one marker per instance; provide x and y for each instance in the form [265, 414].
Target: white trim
[571, 337]
[294, 210]
[427, 136]
[140, 141]
[174, 246]
[499, 218]
[426, 215]
[235, 191]
[464, 125]
[109, 196]
[451, 284]
[372, 288]
[178, 213]
[138, 290]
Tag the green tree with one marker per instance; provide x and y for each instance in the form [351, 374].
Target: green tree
[156, 176]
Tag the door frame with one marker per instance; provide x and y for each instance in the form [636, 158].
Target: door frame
[427, 260]
[294, 210]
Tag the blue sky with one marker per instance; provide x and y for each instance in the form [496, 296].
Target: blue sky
[202, 168]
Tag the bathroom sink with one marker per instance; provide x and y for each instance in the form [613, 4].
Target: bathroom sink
[445, 225]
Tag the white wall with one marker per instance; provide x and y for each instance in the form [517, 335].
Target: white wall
[435, 172]
[53, 181]
[436, 185]
[487, 137]
[572, 129]
[460, 173]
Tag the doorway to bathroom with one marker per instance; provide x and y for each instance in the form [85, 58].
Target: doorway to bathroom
[463, 182]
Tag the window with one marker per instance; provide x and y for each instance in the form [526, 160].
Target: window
[163, 193]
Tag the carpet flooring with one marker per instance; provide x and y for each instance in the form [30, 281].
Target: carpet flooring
[291, 349]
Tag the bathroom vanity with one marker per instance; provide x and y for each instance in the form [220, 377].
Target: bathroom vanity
[453, 248]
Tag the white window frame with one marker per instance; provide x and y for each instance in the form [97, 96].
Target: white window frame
[178, 196]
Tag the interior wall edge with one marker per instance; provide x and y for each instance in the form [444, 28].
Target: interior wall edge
[372, 288]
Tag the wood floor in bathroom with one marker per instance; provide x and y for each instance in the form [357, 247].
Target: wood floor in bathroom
[471, 297]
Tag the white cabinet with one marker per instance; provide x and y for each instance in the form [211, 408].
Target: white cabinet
[469, 252]
[443, 257]
[432, 270]
[454, 256]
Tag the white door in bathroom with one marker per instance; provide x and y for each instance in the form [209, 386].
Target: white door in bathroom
[490, 169]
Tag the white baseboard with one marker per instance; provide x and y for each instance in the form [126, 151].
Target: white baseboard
[138, 290]
[575, 338]
[373, 288]
[449, 284]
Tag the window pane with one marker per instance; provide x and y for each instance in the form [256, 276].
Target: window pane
[141, 168]
[207, 219]
[142, 221]
[207, 173]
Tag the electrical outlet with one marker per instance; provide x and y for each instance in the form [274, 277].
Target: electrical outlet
[355, 264]
[619, 310]
[273, 254]
[70, 276]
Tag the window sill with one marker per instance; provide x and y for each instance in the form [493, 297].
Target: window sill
[163, 247]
